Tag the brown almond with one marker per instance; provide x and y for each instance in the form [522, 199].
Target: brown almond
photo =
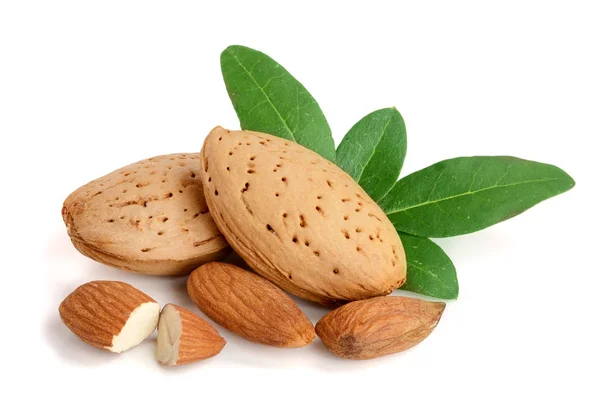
[249, 306]
[299, 220]
[184, 337]
[110, 315]
[148, 217]
[377, 327]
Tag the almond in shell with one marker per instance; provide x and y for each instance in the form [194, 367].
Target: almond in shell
[299, 220]
[149, 217]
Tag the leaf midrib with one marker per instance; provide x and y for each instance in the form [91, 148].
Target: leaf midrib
[470, 193]
[264, 94]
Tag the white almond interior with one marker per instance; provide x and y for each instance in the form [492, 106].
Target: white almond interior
[141, 323]
[169, 334]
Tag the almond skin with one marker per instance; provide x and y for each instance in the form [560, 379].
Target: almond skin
[149, 217]
[184, 337]
[110, 315]
[299, 220]
[249, 306]
[377, 327]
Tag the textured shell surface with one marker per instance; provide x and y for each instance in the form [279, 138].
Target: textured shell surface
[149, 217]
[298, 219]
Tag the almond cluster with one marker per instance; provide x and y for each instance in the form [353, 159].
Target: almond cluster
[299, 222]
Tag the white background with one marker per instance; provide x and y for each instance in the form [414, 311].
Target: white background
[87, 87]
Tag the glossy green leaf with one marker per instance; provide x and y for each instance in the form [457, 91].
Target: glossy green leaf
[268, 99]
[464, 195]
[373, 151]
[429, 270]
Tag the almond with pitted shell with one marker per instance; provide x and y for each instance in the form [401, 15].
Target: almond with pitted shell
[298, 219]
[149, 217]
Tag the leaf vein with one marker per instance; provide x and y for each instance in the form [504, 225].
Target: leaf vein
[265, 94]
[425, 203]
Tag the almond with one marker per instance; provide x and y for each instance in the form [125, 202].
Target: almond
[184, 337]
[249, 306]
[110, 315]
[148, 217]
[299, 220]
[377, 327]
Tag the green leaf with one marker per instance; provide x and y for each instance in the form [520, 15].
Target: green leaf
[269, 99]
[464, 195]
[429, 270]
[373, 151]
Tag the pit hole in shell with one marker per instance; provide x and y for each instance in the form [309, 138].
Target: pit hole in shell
[302, 221]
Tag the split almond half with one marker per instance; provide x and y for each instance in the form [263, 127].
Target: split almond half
[184, 337]
[110, 315]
